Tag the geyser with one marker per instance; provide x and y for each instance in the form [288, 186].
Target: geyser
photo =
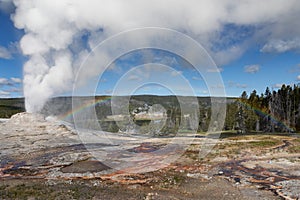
[59, 34]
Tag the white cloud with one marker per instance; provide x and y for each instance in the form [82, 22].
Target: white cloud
[12, 82]
[251, 69]
[215, 70]
[227, 55]
[4, 94]
[4, 53]
[15, 90]
[237, 85]
[16, 80]
[176, 73]
[241, 85]
[298, 78]
[281, 46]
[134, 77]
[3, 81]
[102, 80]
[51, 65]
[164, 59]
[203, 91]
[277, 85]
[197, 78]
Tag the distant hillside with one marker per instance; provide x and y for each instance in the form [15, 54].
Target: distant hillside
[11, 106]
[60, 105]
[62, 108]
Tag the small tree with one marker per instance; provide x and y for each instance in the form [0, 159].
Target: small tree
[241, 119]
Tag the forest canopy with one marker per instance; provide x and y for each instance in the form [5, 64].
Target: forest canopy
[271, 111]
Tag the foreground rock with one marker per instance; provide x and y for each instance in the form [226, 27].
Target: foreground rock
[25, 132]
[46, 159]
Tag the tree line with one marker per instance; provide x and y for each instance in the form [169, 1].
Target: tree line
[271, 111]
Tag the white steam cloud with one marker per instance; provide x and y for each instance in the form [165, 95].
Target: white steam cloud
[59, 33]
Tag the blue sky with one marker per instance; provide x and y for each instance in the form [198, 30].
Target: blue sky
[251, 53]
[11, 60]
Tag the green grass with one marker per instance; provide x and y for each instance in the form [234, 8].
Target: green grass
[263, 143]
[41, 191]
[294, 149]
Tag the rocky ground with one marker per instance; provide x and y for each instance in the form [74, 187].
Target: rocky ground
[45, 159]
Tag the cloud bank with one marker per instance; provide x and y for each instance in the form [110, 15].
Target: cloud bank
[4, 53]
[10, 82]
[59, 33]
[9, 86]
[251, 69]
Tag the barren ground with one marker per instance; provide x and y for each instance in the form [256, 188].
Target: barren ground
[42, 159]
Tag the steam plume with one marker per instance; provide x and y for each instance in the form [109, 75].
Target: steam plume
[59, 33]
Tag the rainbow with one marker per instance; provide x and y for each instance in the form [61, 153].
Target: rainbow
[85, 104]
[265, 114]
[94, 102]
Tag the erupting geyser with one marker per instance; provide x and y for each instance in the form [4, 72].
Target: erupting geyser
[59, 34]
